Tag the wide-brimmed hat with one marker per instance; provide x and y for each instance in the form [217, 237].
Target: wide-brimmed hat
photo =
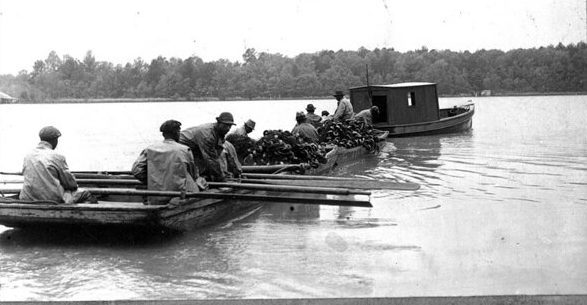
[49, 133]
[338, 93]
[226, 118]
[310, 107]
[250, 123]
[170, 126]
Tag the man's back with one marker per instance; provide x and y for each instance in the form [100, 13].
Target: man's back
[313, 119]
[306, 130]
[169, 167]
[46, 175]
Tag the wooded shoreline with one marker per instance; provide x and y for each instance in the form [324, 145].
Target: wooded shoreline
[209, 99]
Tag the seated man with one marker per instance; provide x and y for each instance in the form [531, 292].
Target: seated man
[325, 116]
[207, 142]
[46, 175]
[344, 108]
[245, 129]
[367, 115]
[311, 117]
[168, 165]
[305, 130]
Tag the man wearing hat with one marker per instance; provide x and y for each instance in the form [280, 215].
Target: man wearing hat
[245, 129]
[311, 117]
[304, 129]
[367, 115]
[168, 165]
[344, 109]
[46, 174]
[207, 142]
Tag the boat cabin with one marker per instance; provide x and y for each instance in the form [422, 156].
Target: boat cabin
[399, 104]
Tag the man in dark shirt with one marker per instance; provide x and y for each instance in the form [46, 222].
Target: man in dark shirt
[207, 142]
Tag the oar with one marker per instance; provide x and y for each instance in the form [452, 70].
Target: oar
[348, 182]
[225, 196]
[364, 184]
[236, 185]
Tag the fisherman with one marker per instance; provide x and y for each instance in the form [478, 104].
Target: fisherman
[168, 165]
[245, 129]
[47, 176]
[344, 109]
[367, 115]
[229, 161]
[311, 117]
[325, 116]
[207, 142]
[304, 129]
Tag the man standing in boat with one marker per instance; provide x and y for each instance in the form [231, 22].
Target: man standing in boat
[305, 130]
[207, 142]
[344, 109]
[168, 165]
[46, 174]
[367, 115]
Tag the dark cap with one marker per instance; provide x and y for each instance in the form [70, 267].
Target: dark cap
[375, 109]
[250, 123]
[226, 118]
[338, 93]
[324, 112]
[310, 107]
[170, 126]
[300, 115]
[49, 133]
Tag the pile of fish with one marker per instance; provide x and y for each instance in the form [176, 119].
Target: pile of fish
[278, 147]
[348, 134]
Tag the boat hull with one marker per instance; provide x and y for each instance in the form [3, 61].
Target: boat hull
[128, 215]
[453, 124]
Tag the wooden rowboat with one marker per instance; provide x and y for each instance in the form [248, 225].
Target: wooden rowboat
[127, 211]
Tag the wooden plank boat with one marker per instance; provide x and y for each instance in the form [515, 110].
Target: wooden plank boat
[129, 212]
[125, 212]
[411, 109]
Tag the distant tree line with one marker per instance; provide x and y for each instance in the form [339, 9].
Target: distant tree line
[263, 75]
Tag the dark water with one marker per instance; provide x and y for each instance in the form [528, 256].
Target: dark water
[501, 210]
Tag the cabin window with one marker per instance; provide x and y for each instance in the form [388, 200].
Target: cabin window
[411, 99]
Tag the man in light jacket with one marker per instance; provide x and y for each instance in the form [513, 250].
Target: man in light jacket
[168, 165]
[46, 174]
[344, 109]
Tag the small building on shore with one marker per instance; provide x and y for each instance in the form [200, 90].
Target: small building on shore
[6, 99]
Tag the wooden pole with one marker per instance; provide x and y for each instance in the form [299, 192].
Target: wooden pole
[224, 196]
[236, 185]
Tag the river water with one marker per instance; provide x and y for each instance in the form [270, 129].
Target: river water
[502, 209]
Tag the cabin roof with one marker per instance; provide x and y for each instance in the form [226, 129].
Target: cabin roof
[398, 85]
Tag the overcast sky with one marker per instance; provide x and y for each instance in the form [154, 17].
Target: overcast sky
[119, 31]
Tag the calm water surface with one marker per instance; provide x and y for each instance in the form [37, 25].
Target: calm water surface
[502, 210]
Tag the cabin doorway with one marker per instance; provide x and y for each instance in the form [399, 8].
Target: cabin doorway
[381, 102]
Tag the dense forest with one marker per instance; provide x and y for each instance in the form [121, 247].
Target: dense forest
[262, 75]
